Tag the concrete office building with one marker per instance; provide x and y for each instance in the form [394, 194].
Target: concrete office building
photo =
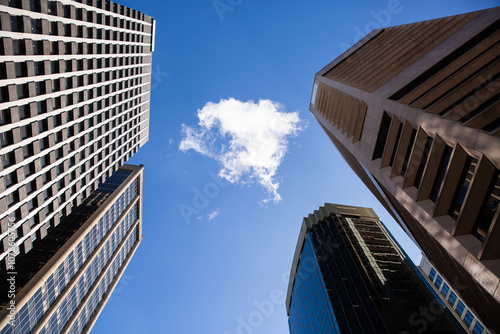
[415, 111]
[350, 276]
[64, 282]
[74, 106]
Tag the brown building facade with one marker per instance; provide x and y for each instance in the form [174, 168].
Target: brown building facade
[415, 111]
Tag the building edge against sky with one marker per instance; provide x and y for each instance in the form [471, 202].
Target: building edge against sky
[349, 275]
[413, 109]
[75, 81]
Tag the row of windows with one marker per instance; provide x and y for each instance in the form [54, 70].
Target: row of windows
[404, 146]
[23, 91]
[456, 304]
[69, 11]
[21, 69]
[28, 47]
[50, 123]
[23, 24]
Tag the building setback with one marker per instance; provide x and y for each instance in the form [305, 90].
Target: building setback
[415, 111]
[74, 106]
[350, 276]
[64, 282]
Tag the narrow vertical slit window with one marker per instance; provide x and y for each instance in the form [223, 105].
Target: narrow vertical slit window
[463, 187]
[423, 162]
[408, 152]
[385, 124]
[488, 209]
[443, 166]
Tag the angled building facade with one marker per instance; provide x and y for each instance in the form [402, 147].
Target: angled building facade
[415, 111]
[350, 276]
[74, 101]
[62, 285]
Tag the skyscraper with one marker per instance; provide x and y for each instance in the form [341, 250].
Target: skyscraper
[415, 111]
[74, 100]
[75, 80]
[350, 276]
[62, 285]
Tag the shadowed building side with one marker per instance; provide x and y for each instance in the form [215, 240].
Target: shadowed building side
[350, 276]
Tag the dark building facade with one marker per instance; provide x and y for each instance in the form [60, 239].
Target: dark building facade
[62, 285]
[415, 111]
[75, 81]
[350, 276]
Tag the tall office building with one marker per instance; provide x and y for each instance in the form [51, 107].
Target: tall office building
[415, 111]
[75, 81]
[63, 283]
[74, 98]
[350, 276]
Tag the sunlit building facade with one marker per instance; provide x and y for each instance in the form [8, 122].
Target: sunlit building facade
[350, 276]
[415, 111]
[74, 106]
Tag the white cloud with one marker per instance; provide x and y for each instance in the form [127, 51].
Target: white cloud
[214, 214]
[248, 139]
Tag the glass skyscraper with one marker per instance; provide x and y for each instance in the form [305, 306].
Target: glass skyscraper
[350, 276]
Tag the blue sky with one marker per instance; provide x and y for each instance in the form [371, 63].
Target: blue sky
[230, 95]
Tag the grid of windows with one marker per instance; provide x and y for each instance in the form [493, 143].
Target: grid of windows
[75, 102]
[455, 303]
[40, 302]
[311, 310]
[354, 266]
[102, 287]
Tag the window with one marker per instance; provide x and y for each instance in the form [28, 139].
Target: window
[25, 131]
[10, 179]
[53, 28]
[12, 198]
[462, 187]
[51, 7]
[443, 166]
[44, 142]
[16, 24]
[54, 66]
[42, 126]
[21, 69]
[54, 49]
[29, 169]
[41, 107]
[37, 48]
[6, 138]
[35, 6]
[22, 91]
[39, 68]
[36, 25]
[27, 150]
[30, 187]
[488, 209]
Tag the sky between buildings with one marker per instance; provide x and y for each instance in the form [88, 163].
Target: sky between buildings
[235, 160]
